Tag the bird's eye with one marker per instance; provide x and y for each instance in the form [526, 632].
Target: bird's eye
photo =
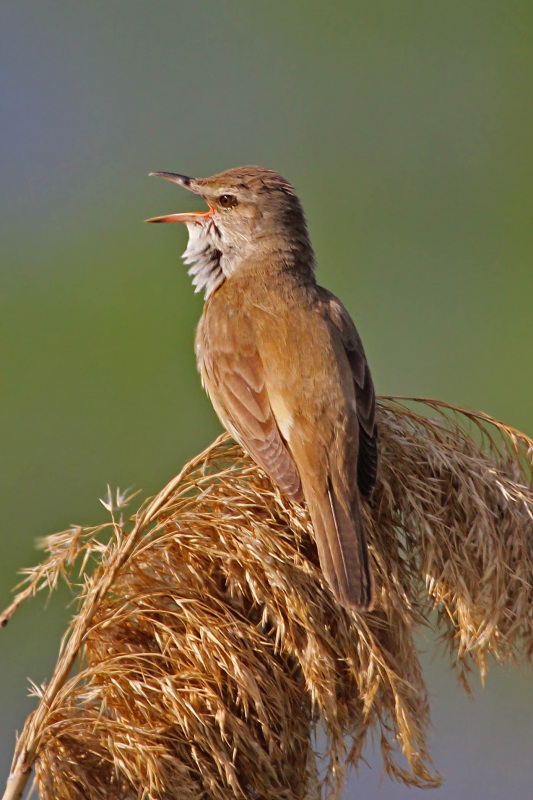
[227, 200]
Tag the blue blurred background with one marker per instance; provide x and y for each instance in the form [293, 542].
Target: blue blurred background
[407, 130]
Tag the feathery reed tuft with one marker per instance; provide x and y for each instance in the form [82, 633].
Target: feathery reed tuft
[212, 650]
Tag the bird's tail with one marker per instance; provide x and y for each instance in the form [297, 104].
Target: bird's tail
[342, 547]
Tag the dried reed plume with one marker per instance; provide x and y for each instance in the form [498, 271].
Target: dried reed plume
[211, 649]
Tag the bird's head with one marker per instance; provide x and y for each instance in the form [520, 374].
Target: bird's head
[251, 212]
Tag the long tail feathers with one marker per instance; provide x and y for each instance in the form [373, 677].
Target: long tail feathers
[342, 549]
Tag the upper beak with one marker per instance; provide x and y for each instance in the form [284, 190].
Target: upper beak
[187, 183]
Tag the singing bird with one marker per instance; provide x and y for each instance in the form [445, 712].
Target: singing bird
[282, 361]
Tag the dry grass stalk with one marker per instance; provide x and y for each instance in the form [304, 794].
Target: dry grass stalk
[211, 648]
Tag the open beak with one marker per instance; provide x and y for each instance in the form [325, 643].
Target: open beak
[187, 183]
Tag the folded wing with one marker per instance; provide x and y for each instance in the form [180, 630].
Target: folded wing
[367, 460]
[236, 385]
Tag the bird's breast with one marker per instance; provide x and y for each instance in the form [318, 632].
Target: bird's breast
[306, 372]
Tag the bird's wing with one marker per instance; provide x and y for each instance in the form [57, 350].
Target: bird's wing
[235, 381]
[367, 460]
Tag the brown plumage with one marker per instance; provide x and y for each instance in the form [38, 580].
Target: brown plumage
[282, 361]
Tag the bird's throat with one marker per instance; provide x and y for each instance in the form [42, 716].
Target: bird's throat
[203, 256]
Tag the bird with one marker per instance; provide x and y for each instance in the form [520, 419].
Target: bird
[282, 361]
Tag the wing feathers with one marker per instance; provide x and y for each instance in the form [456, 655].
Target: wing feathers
[364, 391]
[236, 385]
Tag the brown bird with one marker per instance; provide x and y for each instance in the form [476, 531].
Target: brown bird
[282, 361]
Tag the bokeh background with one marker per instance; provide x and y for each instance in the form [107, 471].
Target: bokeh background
[406, 127]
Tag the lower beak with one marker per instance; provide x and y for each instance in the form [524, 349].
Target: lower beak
[190, 216]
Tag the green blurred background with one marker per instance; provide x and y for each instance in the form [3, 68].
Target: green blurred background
[406, 126]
